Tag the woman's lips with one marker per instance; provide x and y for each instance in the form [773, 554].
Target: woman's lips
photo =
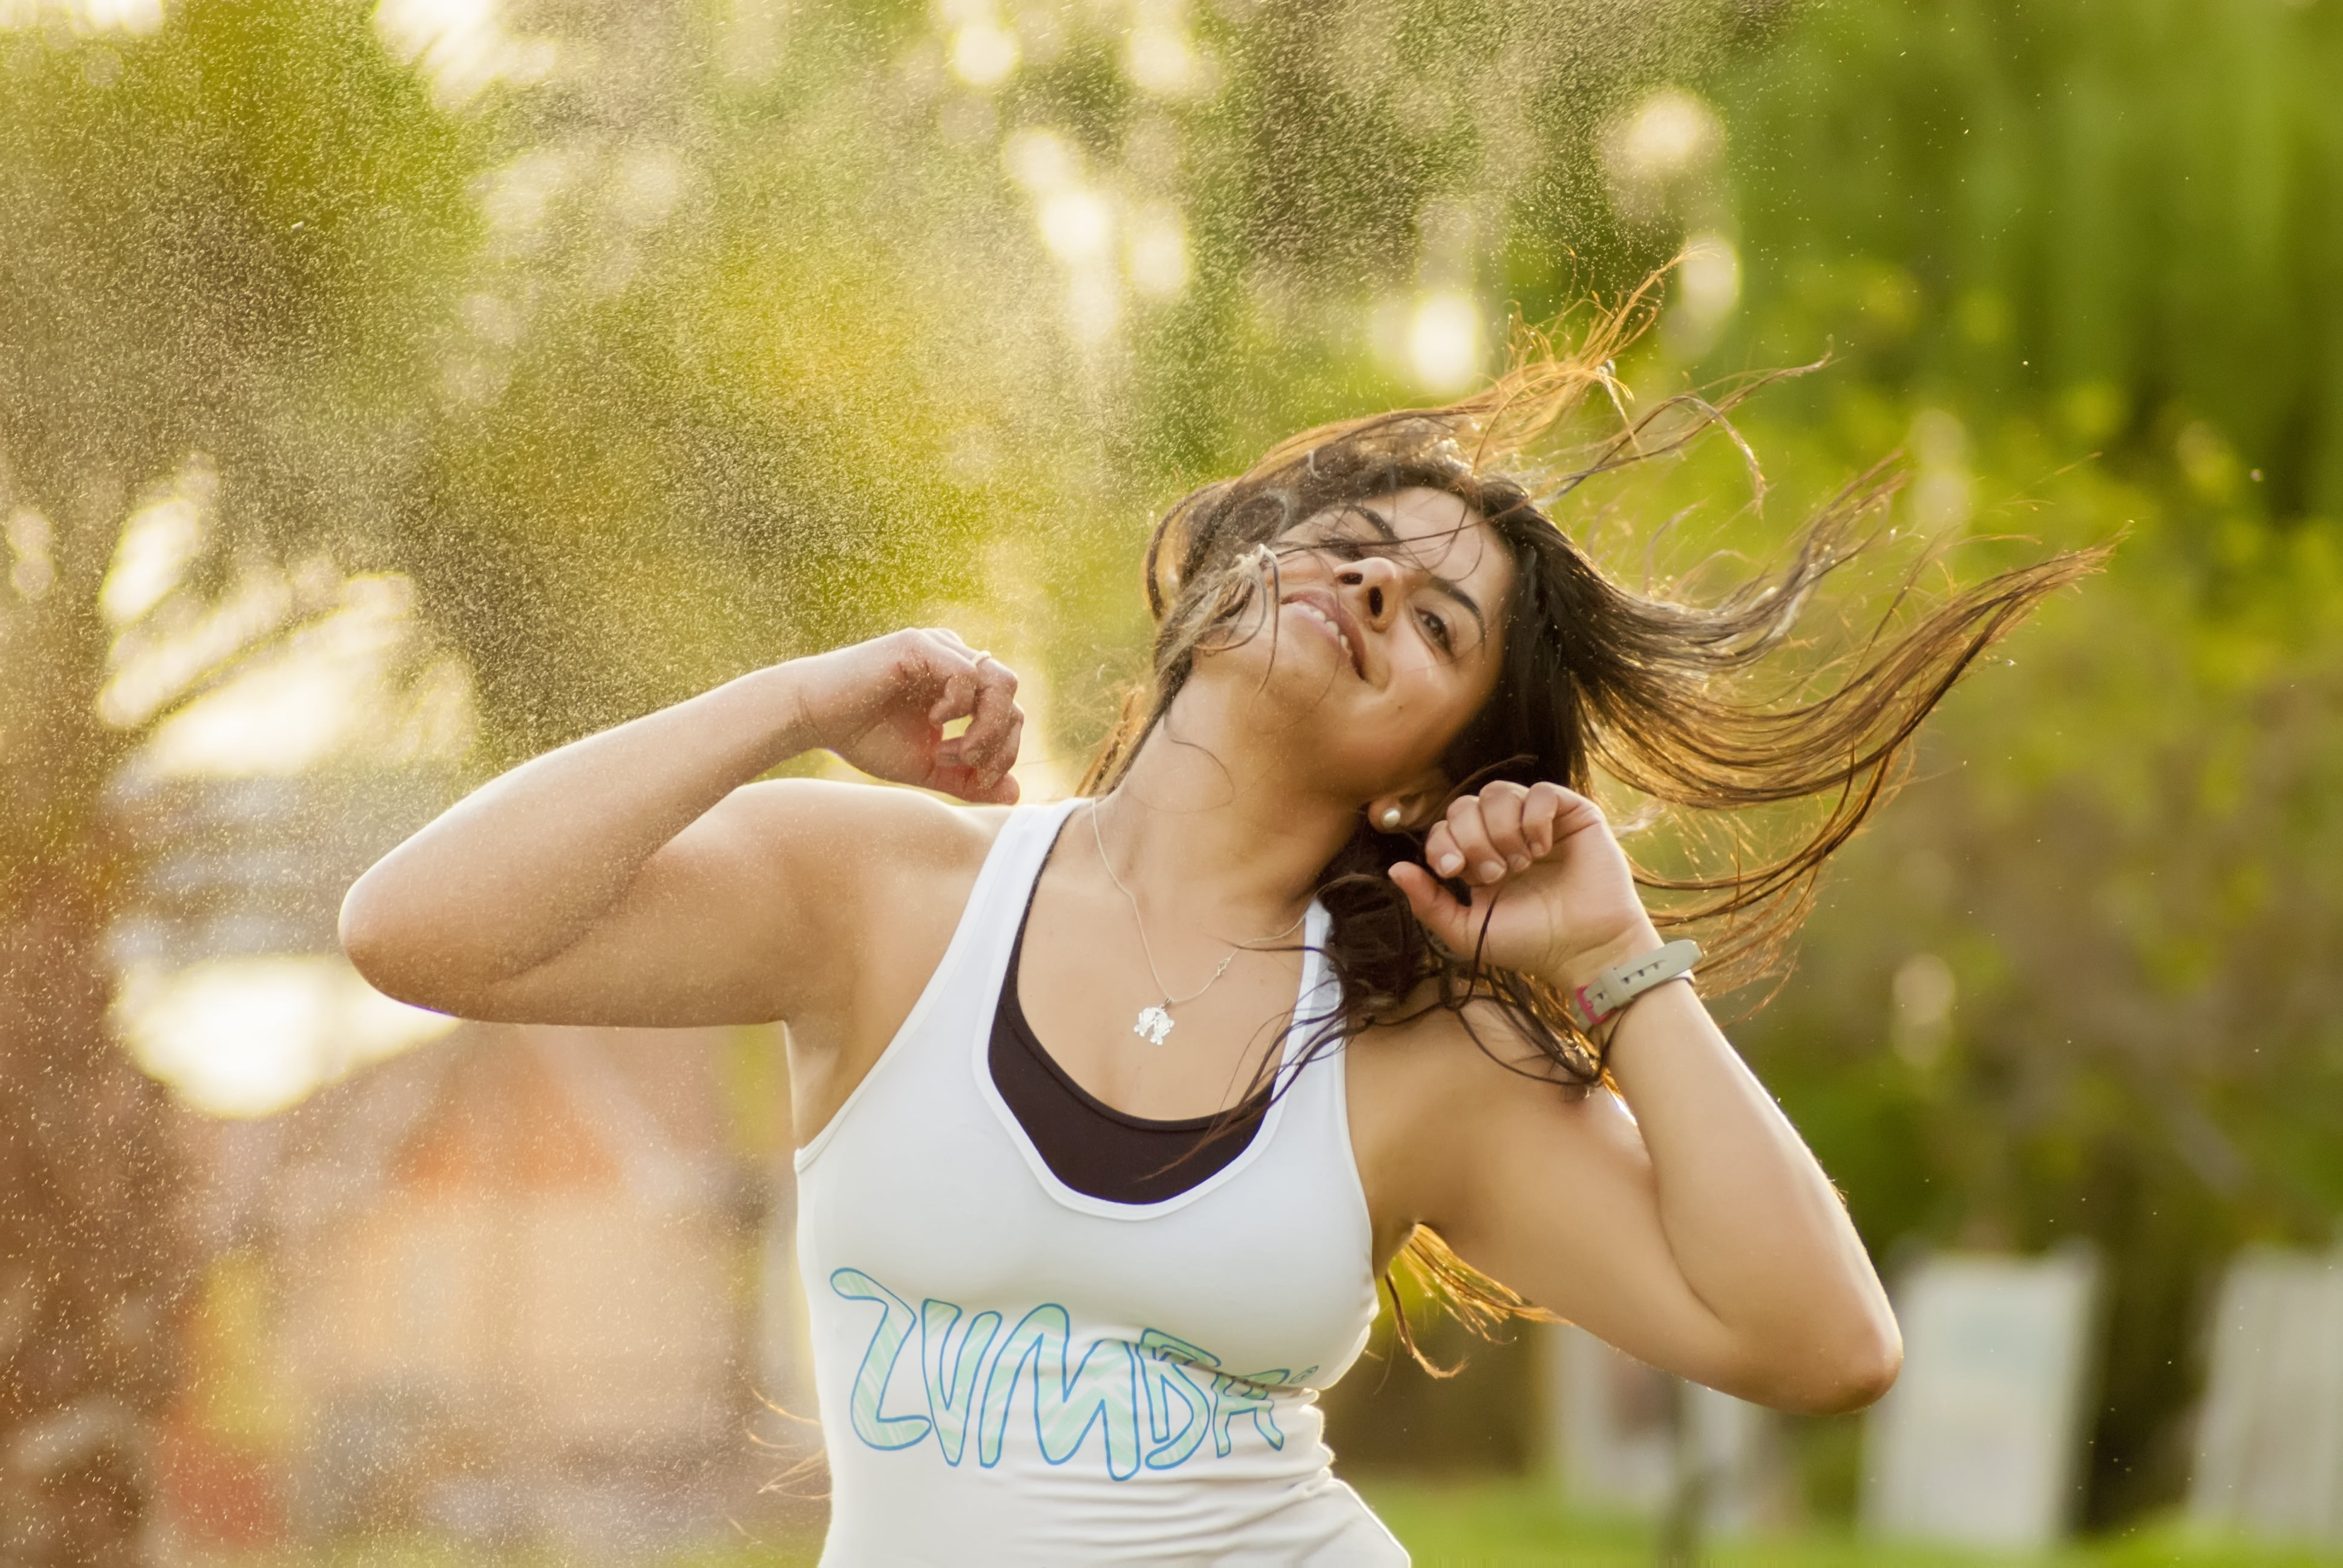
[1327, 611]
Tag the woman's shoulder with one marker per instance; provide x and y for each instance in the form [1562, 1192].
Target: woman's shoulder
[1437, 1088]
[874, 827]
[1434, 1051]
[881, 857]
[886, 868]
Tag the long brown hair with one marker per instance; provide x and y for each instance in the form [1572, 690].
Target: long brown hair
[1599, 684]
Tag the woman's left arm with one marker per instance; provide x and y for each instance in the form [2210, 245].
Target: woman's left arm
[1695, 1228]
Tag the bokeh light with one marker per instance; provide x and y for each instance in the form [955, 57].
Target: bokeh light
[391, 393]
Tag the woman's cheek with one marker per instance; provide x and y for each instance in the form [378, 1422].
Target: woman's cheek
[1413, 726]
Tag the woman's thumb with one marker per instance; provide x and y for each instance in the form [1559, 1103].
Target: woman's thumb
[1431, 903]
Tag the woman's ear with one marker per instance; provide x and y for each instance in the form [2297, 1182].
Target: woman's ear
[1405, 810]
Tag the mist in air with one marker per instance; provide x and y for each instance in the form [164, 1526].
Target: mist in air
[390, 393]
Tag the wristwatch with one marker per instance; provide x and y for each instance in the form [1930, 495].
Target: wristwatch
[1601, 997]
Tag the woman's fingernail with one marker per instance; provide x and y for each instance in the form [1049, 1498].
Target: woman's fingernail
[1519, 862]
[1490, 870]
[1451, 864]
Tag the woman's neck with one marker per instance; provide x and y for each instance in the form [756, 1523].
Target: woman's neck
[1209, 827]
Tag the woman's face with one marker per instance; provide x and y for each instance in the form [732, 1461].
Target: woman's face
[1387, 637]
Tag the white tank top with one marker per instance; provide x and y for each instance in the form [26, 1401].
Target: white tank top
[1012, 1371]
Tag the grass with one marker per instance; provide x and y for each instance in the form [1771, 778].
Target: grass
[1516, 1523]
[1485, 1524]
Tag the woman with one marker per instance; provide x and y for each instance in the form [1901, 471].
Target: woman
[1112, 1111]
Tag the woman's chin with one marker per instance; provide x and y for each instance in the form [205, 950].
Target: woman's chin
[1311, 694]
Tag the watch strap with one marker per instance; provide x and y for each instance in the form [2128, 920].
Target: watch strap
[1601, 999]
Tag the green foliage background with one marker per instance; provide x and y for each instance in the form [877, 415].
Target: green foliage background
[736, 337]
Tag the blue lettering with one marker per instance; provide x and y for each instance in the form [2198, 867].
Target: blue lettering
[1101, 1391]
[950, 1369]
[878, 1430]
[1164, 1364]
[1246, 1394]
[1154, 1401]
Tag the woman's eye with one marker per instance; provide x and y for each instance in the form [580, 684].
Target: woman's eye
[1436, 629]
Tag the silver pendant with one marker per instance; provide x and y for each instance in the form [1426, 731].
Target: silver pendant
[1154, 1024]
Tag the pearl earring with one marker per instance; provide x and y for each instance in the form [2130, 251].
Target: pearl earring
[1389, 817]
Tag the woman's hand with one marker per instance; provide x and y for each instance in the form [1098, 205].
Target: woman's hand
[882, 705]
[1552, 894]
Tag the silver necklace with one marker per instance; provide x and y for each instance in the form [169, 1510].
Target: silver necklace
[1154, 1024]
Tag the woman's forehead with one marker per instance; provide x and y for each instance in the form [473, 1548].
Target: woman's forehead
[1439, 530]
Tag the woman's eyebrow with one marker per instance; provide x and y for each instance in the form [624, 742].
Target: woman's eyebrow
[1456, 591]
[1448, 586]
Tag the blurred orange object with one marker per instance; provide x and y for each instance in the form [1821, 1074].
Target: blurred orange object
[216, 1492]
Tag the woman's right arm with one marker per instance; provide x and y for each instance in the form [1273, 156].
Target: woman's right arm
[630, 879]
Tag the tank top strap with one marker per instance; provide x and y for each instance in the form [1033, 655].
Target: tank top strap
[966, 976]
[1313, 1066]
[1016, 859]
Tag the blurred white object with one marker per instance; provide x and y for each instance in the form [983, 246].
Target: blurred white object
[1444, 342]
[462, 47]
[1631, 1438]
[250, 1035]
[2269, 1444]
[1979, 1443]
[232, 989]
[1702, 294]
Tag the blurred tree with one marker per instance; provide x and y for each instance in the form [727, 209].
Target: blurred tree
[744, 367]
[277, 310]
[205, 229]
[2075, 984]
[2117, 216]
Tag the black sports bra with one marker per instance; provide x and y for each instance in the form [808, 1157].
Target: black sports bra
[1090, 1145]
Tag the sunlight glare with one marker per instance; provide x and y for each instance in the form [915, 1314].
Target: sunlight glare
[1039, 159]
[29, 538]
[1709, 281]
[1077, 226]
[1706, 290]
[249, 1036]
[1093, 305]
[1662, 156]
[1156, 254]
[158, 543]
[152, 667]
[1159, 59]
[984, 52]
[139, 18]
[295, 709]
[1444, 342]
[461, 47]
[1672, 132]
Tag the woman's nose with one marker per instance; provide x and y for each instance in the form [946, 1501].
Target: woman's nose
[1373, 583]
